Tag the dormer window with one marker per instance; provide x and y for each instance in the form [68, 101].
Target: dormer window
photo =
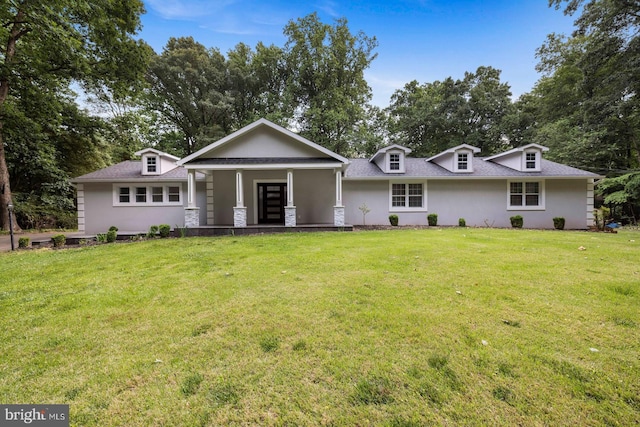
[394, 162]
[463, 161]
[531, 160]
[152, 164]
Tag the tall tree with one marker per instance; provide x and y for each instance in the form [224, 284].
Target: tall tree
[593, 78]
[432, 117]
[189, 85]
[326, 80]
[48, 45]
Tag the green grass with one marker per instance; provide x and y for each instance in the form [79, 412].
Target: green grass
[394, 328]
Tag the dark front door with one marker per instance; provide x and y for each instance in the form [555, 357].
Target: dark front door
[271, 200]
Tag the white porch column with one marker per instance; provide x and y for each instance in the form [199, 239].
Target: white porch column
[191, 188]
[191, 212]
[239, 210]
[338, 209]
[290, 209]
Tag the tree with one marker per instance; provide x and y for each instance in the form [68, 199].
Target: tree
[326, 83]
[188, 85]
[622, 191]
[49, 45]
[594, 78]
[433, 117]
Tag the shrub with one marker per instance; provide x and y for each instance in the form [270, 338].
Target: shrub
[153, 230]
[164, 230]
[516, 221]
[393, 219]
[111, 236]
[101, 237]
[558, 223]
[59, 240]
[23, 242]
[113, 228]
[462, 222]
[432, 219]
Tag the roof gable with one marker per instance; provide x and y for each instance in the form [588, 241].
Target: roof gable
[263, 140]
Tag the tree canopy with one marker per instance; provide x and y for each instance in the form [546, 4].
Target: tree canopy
[45, 47]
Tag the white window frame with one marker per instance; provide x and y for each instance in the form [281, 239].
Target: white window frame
[541, 195]
[536, 167]
[145, 164]
[469, 161]
[149, 194]
[400, 155]
[406, 208]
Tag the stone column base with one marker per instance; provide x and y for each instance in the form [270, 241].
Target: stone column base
[338, 216]
[289, 216]
[239, 216]
[192, 217]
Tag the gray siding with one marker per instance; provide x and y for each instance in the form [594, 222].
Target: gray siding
[100, 213]
[480, 202]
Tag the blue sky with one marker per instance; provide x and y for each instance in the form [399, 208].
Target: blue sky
[423, 40]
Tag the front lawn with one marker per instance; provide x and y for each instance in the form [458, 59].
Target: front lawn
[396, 327]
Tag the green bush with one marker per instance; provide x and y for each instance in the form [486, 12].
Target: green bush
[432, 219]
[558, 223]
[111, 236]
[462, 222]
[23, 242]
[517, 221]
[164, 230]
[113, 228]
[393, 219]
[101, 237]
[153, 231]
[59, 240]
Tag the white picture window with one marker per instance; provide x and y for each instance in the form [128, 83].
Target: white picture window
[407, 196]
[526, 195]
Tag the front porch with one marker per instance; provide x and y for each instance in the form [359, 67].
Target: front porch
[230, 230]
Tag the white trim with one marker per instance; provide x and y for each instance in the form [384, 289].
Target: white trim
[541, 195]
[539, 147]
[149, 203]
[460, 147]
[536, 167]
[80, 201]
[405, 182]
[469, 161]
[387, 162]
[250, 127]
[270, 166]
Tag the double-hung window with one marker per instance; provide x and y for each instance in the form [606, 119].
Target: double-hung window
[152, 164]
[407, 196]
[531, 160]
[463, 161]
[394, 161]
[526, 195]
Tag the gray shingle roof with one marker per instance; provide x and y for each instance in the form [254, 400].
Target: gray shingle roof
[131, 170]
[420, 168]
[357, 169]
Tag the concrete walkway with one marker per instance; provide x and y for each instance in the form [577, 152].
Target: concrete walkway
[5, 239]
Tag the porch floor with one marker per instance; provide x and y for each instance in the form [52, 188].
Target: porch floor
[224, 230]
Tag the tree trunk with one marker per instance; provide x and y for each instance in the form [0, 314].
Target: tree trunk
[17, 30]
